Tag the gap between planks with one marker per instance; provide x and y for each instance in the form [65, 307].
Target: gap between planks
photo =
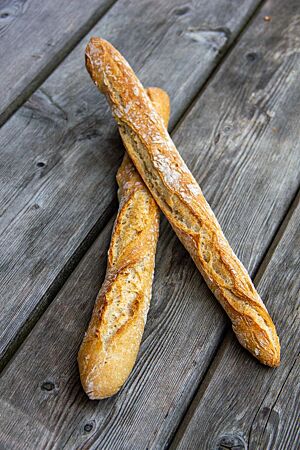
[58, 283]
[217, 356]
[53, 63]
[277, 237]
[224, 54]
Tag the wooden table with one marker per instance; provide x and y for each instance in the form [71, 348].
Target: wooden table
[232, 70]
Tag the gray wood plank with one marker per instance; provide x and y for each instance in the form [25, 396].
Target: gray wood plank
[247, 168]
[242, 404]
[34, 37]
[60, 152]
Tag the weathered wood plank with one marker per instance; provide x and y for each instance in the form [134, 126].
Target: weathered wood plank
[34, 37]
[61, 151]
[242, 404]
[235, 153]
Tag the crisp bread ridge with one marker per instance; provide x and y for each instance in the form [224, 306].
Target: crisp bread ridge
[181, 200]
[110, 346]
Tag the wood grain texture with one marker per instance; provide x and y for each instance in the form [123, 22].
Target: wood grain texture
[235, 153]
[240, 404]
[60, 152]
[34, 37]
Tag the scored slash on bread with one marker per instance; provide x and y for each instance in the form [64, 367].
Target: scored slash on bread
[181, 200]
[110, 346]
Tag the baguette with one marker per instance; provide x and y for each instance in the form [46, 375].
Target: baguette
[110, 346]
[181, 200]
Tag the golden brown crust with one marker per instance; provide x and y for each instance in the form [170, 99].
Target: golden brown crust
[181, 200]
[110, 346]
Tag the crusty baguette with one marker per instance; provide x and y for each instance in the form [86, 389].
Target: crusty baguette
[181, 200]
[110, 346]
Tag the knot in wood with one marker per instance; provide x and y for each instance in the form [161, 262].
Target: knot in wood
[47, 386]
[231, 442]
[88, 427]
